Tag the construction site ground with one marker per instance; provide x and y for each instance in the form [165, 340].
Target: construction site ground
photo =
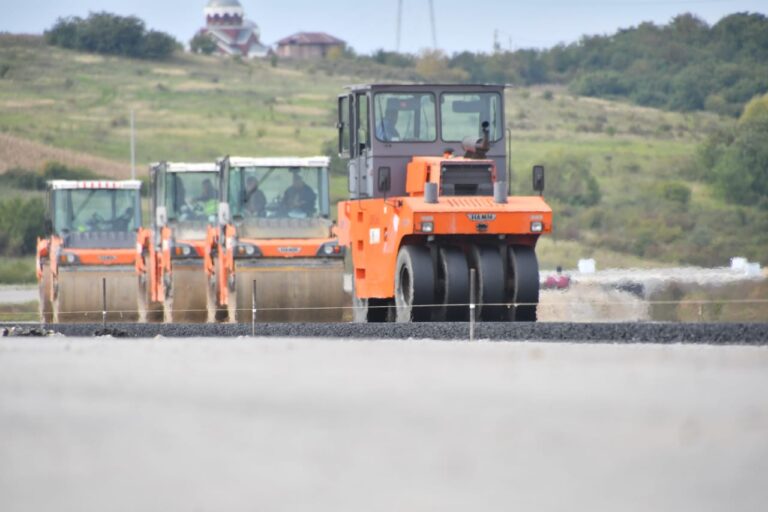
[319, 424]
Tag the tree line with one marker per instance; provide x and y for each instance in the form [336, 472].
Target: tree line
[684, 65]
[110, 34]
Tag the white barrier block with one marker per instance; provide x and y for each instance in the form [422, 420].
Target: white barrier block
[739, 263]
[587, 266]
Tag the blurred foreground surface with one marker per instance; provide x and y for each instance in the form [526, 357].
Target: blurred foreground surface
[279, 424]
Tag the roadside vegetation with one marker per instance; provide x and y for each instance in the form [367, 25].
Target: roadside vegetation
[17, 270]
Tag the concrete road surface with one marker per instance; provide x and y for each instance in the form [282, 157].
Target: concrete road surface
[314, 425]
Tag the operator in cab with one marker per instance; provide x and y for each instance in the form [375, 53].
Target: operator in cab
[386, 130]
[208, 198]
[299, 196]
[255, 201]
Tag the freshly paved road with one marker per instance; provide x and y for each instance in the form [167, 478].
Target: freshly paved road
[322, 425]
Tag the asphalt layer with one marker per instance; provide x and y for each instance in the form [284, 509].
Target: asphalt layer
[706, 333]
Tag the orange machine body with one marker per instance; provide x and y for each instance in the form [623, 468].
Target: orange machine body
[376, 229]
[80, 238]
[221, 253]
[177, 239]
[226, 245]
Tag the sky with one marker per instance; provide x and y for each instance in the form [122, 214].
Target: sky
[367, 26]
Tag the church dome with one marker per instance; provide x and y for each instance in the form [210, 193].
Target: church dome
[224, 3]
[224, 12]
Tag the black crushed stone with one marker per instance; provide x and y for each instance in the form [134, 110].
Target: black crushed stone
[644, 332]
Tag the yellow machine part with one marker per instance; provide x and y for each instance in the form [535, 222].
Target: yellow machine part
[290, 290]
[79, 297]
[187, 301]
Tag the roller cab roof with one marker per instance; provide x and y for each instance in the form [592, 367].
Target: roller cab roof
[189, 167]
[420, 87]
[94, 185]
[314, 161]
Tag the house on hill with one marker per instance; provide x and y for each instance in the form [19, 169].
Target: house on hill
[308, 45]
[226, 25]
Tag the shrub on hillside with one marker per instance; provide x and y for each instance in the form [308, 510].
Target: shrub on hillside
[676, 192]
[21, 222]
[107, 33]
[737, 162]
[25, 179]
[59, 171]
[570, 180]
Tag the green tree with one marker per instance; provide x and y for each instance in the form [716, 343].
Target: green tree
[202, 43]
[21, 222]
[737, 162]
[107, 33]
[570, 180]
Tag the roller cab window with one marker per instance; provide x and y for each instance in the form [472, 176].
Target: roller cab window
[192, 196]
[277, 192]
[86, 211]
[462, 115]
[405, 117]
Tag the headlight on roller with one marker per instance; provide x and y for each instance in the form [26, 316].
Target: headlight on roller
[428, 227]
[244, 250]
[68, 258]
[183, 251]
[331, 250]
[537, 226]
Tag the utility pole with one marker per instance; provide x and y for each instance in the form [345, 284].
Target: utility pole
[432, 20]
[133, 149]
[399, 24]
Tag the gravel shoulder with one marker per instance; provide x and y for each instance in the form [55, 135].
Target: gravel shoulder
[595, 332]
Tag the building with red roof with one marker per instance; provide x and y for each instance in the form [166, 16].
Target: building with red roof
[308, 45]
[233, 35]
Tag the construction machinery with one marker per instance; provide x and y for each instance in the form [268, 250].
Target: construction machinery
[430, 207]
[184, 203]
[85, 263]
[275, 242]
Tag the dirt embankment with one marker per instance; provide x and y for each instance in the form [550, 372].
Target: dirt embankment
[28, 154]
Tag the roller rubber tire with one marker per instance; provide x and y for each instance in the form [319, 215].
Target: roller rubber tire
[490, 283]
[524, 268]
[453, 285]
[414, 284]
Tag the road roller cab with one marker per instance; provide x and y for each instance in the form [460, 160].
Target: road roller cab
[429, 202]
[184, 202]
[275, 232]
[90, 236]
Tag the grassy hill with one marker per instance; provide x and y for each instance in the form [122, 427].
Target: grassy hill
[198, 108]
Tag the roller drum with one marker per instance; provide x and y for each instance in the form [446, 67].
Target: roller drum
[295, 290]
[186, 300]
[78, 296]
[44, 302]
